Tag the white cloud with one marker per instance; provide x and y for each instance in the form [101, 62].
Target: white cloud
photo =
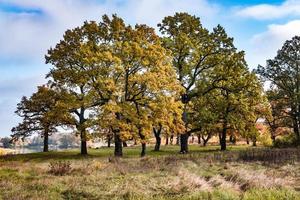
[265, 45]
[29, 35]
[268, 11]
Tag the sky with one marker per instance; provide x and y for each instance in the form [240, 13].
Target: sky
[28, 28]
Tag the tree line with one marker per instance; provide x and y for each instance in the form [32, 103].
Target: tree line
[121, 82]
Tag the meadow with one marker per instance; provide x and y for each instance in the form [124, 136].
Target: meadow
[242, 172]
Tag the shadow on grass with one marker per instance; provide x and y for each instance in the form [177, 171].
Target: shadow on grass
[106, 152]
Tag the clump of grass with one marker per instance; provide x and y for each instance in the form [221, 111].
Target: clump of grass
[271, 156]
[60, 168]
[271, 194]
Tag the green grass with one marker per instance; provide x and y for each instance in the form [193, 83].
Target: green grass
[159, 175]
[104, 152]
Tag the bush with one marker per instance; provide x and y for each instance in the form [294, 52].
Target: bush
[60, 168]
[286, 141]
[265, 140]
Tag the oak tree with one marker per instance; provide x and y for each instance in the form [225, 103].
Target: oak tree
[41, 114]
[283, 73]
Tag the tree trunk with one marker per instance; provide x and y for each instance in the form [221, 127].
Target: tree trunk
[108, 141]
[178, 140]
[247, 140]
[83, 149]
[157, 144]
[184, 137]
[157, 133]
[223, 137]
[296, 129]
[193, 139]
[143, 152]
[118, 145]
[205, 140]
[273, 135]
[184, 143]
[254, 142]
[167, 140]
[232, 139]
[82, 120]
[199, 138]
[46, 147]
[171, 139]
[273, 138]
[124, 144]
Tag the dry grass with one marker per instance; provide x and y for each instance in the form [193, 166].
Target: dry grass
[165, 177]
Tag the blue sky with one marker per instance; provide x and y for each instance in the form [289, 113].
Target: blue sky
[29, 27]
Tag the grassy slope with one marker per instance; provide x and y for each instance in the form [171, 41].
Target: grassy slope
[161, 175]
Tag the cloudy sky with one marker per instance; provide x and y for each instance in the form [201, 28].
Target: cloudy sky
[29, 27]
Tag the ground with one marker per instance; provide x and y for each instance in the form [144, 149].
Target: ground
[205, 173]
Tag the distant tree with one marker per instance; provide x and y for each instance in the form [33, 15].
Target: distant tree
[283, 72]
[67, 140]
[6, 142]
[41, 114]
[36, 141]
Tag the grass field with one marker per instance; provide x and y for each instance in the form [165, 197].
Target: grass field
[204, 173]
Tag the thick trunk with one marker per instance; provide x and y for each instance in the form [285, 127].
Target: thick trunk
[296, 129]
[157, 144]
[83, 149]
[118, 145]
[184, 137]
[46, 136]
[199, 138]
[184, 143]
[143, 153]
[223, 137]
[83, 138]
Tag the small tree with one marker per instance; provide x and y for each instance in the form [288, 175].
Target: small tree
[41, 114]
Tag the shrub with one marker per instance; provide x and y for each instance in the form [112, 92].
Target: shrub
[60, 168]
[286, 141]
[265, 140]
